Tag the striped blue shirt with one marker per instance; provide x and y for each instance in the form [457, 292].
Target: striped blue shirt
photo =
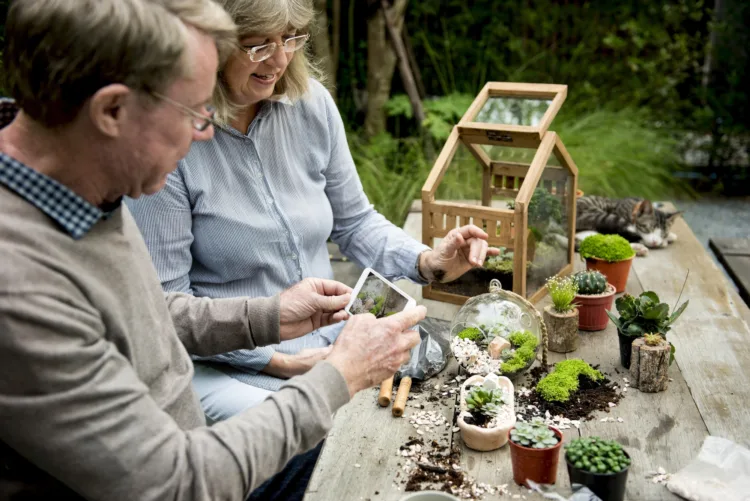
[250, 214]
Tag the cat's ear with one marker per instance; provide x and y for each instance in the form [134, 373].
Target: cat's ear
[642, 208]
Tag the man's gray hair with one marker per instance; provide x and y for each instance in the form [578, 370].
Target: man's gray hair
[61, 52]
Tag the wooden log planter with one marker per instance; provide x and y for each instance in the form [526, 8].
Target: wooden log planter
[649, 365]
[562, 329]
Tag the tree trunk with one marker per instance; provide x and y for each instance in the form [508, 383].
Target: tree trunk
[322, 46]
[381, 63]
[649, 366]
[562, 330]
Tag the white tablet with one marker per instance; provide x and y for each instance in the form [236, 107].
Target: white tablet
[374, 294]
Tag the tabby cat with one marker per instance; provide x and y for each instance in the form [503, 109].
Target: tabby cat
[635, 219]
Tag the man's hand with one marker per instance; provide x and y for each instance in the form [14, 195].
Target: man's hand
[369, 350]
[285, 366]
[311, 304]
[462, 249]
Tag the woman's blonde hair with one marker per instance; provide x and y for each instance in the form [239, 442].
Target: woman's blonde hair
[263, 17]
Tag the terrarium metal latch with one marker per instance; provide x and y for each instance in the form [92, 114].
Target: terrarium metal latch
[498, 136]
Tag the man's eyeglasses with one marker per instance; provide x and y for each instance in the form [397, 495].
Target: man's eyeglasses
[263, 52]
[200, 121]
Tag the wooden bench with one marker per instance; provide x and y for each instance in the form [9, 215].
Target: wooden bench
[710, 386]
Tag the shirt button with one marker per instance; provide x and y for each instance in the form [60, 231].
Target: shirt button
[294, 257]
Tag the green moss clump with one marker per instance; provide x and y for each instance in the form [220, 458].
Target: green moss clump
[525, 343]
[471, 333]
[560, 384]
[609, 248]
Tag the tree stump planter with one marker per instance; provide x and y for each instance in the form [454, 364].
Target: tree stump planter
[649, 366]
[562, 330]
[592, 309]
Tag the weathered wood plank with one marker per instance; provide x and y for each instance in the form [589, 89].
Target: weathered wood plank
[734, 255]
[711, 337]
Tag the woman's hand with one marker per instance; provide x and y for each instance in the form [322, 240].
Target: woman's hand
[286, 366]
[311, 304]
[462, 249]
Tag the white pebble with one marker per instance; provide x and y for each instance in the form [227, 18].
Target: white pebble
[357, 465]
[620, 420]
[611, 404]
[661, 471]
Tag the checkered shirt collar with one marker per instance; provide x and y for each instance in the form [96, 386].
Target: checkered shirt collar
[69, 210]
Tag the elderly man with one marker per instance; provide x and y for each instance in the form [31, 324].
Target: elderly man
[95, 394]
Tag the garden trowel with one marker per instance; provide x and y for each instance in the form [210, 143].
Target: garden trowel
[427, 359]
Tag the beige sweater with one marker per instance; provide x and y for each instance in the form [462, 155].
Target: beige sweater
[95, 378]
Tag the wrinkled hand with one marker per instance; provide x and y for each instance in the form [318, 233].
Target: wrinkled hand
[311, 304]
[369, 350]
[462, 249]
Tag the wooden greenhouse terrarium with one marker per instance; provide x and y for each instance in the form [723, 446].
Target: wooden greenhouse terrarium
[528, 192]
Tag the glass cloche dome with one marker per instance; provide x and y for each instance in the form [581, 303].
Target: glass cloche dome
[498, 332]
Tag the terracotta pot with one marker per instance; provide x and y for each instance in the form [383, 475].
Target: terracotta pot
[616, 273]
[539, 465]
[479, 438]
[592, 309]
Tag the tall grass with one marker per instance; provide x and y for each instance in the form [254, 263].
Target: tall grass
[618, 153]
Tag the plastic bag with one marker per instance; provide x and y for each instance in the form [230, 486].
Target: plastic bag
[721, 472]
[430, 355]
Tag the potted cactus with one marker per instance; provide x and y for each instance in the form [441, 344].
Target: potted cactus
[595, 297]
[601, 465]
[609, 254]
[561, 317]
[487, 412]
[534, 452]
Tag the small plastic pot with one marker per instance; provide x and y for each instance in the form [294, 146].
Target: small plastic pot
[609, 486]
[539, 465]
[616, 273]
[626, 343]
[592, 309]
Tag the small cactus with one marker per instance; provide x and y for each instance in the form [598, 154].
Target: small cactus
[653, 339]
[590, 282]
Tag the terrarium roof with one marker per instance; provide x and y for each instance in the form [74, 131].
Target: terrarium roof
[512, 114]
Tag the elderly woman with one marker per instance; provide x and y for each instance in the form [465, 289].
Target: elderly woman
[250, 212]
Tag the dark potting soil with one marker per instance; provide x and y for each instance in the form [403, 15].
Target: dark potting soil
[437, 471]
[475, 282]
[477, 420]
[591, 396]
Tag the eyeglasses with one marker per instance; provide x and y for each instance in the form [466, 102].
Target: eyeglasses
[263, 52]
[201, 122]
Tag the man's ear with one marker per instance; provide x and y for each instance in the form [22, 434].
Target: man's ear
[109, 108]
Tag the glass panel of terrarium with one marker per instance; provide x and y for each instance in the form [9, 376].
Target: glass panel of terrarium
[513, 154]
[548, 244]
[513, 111]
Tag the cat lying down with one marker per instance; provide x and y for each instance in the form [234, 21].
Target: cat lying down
[637, 220]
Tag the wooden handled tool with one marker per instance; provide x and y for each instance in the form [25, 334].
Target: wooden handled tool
[386, 392]
[403, 393]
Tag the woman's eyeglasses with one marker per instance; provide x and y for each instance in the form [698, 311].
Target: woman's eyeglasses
[263, 52]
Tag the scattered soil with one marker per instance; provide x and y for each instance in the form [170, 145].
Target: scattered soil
[590, 397]
[436, 471]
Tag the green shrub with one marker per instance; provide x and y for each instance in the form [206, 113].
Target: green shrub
[563, 381]
[563, 291]
[609, 248]
[596, 455]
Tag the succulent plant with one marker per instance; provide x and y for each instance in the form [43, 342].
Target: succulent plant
[596, 455]
[535, 434]
[590, 282]
[484, 401]
[653, 339]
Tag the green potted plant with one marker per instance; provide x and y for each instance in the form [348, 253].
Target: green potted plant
[609, 254]
[487, 412]
[561, 317]
[601, 465]
[595, 297]
[534, 452]
[642, 315]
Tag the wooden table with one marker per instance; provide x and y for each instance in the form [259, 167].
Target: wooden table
[708, 393]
